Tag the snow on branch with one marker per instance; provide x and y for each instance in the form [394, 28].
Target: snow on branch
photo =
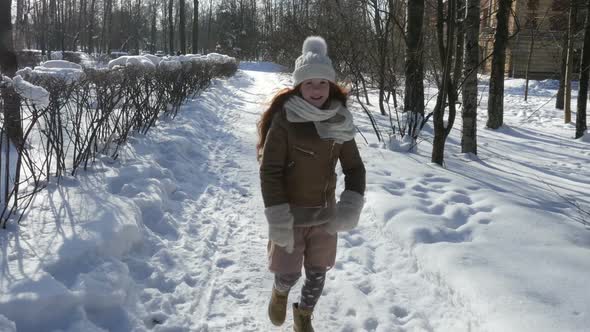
[37, 95]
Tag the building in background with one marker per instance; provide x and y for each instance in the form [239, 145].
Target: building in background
[543, 25]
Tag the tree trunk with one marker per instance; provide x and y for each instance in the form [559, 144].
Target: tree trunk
[81, 27]
[52, 33]
[182, 27]
[103, 38]
[19, 28]
[8, 67]
[414, 68]
[137, 23]
[496, 94]
[570, 62]
[209, 25]
[171, 26]
[559, 101]
[381, 55]
[528, 62]
[460, 40]
[446, 86]
[195, 26]
[153, 27]
[62, 25]
[471, 62]
[44, 28]
[583, 90]
[106, 27]
[91, 28]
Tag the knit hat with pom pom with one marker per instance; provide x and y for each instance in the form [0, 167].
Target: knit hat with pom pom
[313, 62]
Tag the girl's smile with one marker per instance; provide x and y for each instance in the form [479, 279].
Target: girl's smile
[315, 91]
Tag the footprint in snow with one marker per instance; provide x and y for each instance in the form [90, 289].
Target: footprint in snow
[371, 324]
[365, 286]
[224, 263]
[353, 240]
[398, 311]
[439, 179]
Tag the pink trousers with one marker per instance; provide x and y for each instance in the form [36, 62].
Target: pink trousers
[314, 248]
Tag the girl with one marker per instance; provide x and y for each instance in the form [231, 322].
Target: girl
[303, 134]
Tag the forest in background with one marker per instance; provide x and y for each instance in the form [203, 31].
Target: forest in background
[390, 46]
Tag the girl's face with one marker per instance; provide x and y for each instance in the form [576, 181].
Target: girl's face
[315, 91]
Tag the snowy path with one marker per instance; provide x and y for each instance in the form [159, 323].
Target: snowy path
[213, 271]
[172, 235]
[220, 246]
[202, 264]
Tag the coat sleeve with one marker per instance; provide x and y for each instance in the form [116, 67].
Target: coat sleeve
[273, 165]
[352, 167]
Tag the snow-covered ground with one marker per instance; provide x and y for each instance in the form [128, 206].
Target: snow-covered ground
[172, 236]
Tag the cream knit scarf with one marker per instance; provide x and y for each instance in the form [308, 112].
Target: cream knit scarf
[332, 123]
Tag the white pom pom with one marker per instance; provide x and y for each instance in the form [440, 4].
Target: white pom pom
[315, 45]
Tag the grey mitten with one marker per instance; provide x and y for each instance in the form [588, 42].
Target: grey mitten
[348, 212]
[280, 226]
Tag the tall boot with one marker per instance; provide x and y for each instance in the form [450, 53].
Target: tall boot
[302, 319]
[277, 308]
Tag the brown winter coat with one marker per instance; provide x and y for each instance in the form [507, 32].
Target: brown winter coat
[298, 168]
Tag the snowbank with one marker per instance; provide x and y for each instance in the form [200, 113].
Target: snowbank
[38, 297]
[500, 254]
[7, 325]
[106, 286]
[78, 237]
[586, 137]
[494, 230]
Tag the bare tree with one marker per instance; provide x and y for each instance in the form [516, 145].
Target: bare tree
[153, 26]
[446, 27]
[382, 36]
[8, 67]
[209, 26]
[195, 26]
[559, 99]
[182, 27]
[414, 68]
[469, 133]
[532, 26]
[171, 26]
[20, 22]
[583, 90]
[44, 27]
[496, 94]
[573, 12]
[90, 32]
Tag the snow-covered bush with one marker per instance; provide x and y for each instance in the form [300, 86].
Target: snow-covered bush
[18, 168]
[223, 65]
[141, 62]
[74, 113]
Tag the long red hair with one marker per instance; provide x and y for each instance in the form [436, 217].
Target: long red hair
[278, 101]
